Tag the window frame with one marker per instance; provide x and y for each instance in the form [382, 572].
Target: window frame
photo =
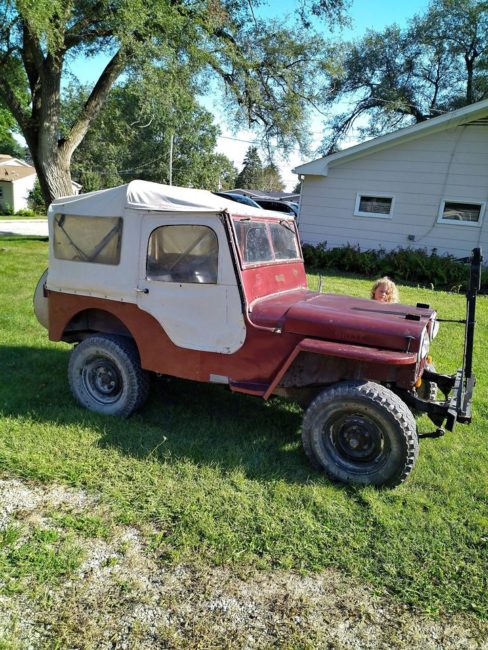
[267, 221]
[374, 215]
[455, 222]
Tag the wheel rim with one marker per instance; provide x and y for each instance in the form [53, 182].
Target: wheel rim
[356, 442]
[102, 380]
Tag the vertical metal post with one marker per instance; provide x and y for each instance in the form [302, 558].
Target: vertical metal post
[471, 293]
[171, 159]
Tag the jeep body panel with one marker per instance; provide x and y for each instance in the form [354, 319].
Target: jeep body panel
[195, 315]
[251, 364]
[251, 368]
[344, 318]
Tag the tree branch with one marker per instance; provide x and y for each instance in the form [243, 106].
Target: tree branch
[13, 104]
[95, 101]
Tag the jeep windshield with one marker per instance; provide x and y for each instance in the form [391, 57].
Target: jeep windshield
[261, 241]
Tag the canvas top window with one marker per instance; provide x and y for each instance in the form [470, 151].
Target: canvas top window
[374, 205]
[184, 254]
[94, 240]
[461, 213]
[265, 241]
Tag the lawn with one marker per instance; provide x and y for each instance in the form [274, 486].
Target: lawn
[220, 479]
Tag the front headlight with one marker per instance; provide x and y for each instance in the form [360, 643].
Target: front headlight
[433, 326]
[424, 345]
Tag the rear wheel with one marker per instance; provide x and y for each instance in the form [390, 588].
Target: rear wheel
[360, 432]
[105, 375]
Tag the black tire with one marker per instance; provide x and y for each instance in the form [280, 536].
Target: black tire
[362, 433]
[105, 375]
[428, 389]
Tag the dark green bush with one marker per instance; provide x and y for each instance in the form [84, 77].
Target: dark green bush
[6, 210]
[36, 200]
[414, 266]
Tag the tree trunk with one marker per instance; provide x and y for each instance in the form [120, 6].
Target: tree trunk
[469, 82]
[53, 173]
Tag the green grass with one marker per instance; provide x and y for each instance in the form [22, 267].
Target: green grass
[216, 477]
[21, 217]
[43, 556]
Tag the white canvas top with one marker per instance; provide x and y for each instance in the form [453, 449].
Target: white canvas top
[144, 195]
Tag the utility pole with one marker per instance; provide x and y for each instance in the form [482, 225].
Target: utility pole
[171, 159]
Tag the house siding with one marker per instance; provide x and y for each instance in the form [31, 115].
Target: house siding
[419, 174]
[6, 198]
[21, 189]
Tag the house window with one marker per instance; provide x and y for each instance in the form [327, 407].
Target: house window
[1, 192]
[183, 254]
[374, 205]
[461, 213]
[87, 239]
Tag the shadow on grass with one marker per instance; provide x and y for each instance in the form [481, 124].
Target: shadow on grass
[12, 237]
[202, 423]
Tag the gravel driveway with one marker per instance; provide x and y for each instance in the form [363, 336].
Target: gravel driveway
[124, 595]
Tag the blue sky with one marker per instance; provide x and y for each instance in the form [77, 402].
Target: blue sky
[365, 14]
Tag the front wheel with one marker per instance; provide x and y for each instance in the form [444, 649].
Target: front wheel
[360, 432]
[105, 375]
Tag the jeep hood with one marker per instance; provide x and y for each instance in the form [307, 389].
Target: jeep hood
[346, 319]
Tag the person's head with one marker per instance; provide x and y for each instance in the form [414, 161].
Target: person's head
[384, 290]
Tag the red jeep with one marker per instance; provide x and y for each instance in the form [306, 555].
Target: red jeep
[148, 278]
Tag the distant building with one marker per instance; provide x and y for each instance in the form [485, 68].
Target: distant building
[17, 179]
[424, 186]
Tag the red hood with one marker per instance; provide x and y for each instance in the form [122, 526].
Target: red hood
[333, 317]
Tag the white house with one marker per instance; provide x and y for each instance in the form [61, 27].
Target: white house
[424, 186]
[17, 179]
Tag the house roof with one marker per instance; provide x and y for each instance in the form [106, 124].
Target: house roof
[7, 159]
[474, 113]
[12, 173]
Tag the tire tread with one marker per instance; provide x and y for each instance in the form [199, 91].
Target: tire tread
[380, 395]
[118, 346]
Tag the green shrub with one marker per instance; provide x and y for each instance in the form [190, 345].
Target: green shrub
[414, 266]
[26, 212]
[6, 209]
[35, 199]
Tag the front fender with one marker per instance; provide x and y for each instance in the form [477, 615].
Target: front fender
[369, 363]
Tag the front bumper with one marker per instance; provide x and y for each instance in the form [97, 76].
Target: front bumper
[456, 407]
[459, 409]
[458, 388]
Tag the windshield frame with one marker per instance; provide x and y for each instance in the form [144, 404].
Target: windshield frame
[288, 224]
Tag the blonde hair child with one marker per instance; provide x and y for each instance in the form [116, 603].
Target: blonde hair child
[384, 290]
